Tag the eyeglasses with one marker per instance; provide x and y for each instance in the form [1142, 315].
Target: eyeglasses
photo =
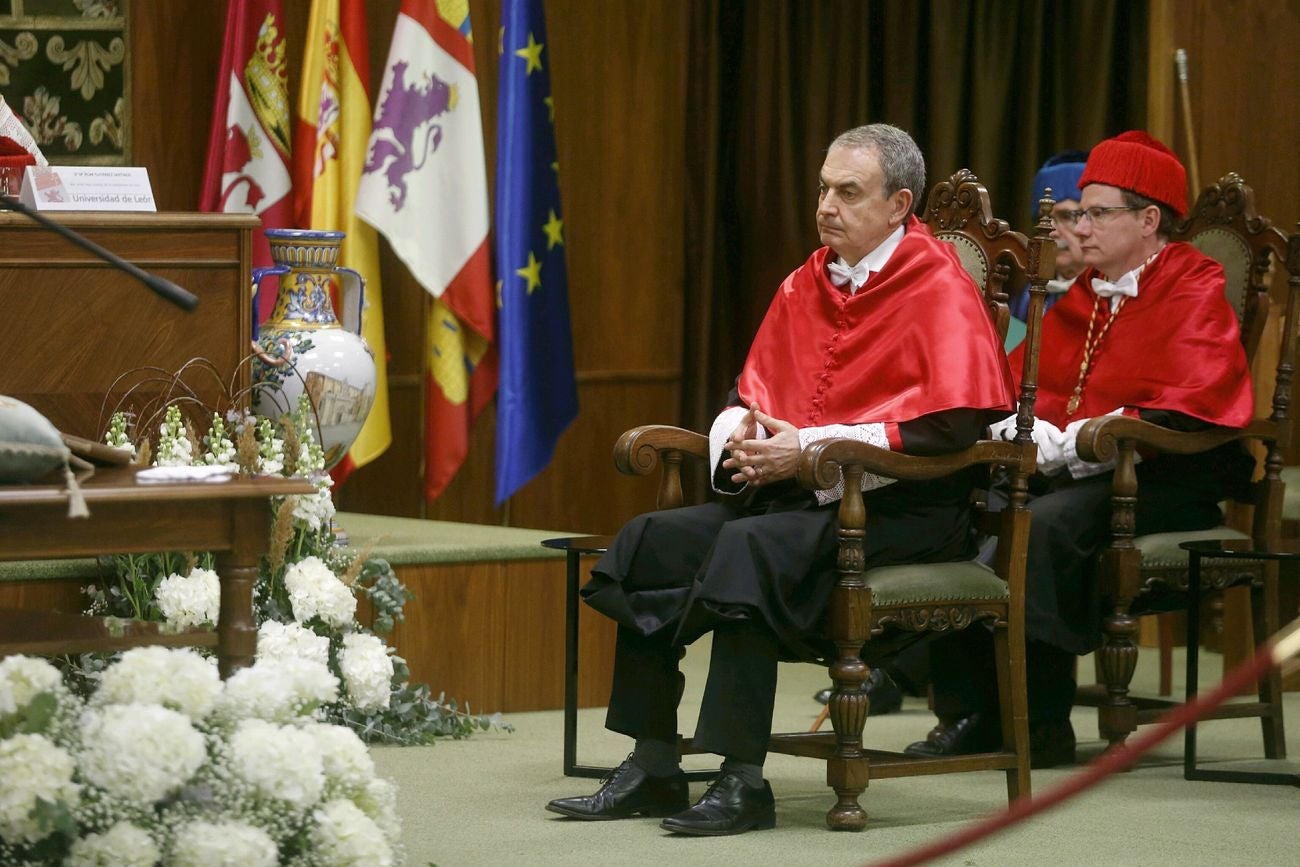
[1094, 214]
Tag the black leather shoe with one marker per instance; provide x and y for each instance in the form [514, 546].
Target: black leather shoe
[626, 792]
[1051, 744]
[886, 697]
[959, 737]
[728, 807]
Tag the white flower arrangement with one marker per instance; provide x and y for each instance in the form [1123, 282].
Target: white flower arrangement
[346, 836]
[367, 670]
[173, 678]
[277, 640]
[190, 600]
[204, 844]
[138, 784]
[34, 769]
[22, 678]
[315, 510]
[137, 769]
[277, 690]
[315, 591]
[280, 762]
[174, 446]
[123, 845]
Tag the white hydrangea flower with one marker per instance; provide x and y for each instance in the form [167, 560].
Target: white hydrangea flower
[190, 600]
[367, 671]
[22, 678]
[123, 845]
[281, 762]
[178, 679]
[139, 752]
[378, 800]
[280, 690]
[315, 591]
[290, 640]
[217, 844]
[344, 836]
[32, 767]
[347, 762]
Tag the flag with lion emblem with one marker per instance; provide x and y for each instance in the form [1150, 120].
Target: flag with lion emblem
[424, 187]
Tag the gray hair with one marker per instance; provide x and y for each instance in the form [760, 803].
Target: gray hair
[900, 159]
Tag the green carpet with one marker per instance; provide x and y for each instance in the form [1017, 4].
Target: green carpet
[480, 801]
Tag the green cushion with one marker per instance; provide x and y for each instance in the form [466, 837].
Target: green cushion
[29, 445]
[1291, 494]
[403, 541]
[1161, 551]
[934, 582]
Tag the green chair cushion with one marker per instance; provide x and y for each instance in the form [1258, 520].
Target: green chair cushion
[918, 583]
[1161, 551]
[1291, 494]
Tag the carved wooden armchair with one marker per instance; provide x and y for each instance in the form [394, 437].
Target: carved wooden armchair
[865, 605]
[1148, 574]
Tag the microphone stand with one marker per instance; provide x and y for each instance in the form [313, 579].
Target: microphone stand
[182, 298]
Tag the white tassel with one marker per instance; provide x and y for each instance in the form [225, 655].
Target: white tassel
[76, 500]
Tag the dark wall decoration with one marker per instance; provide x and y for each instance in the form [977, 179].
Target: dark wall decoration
[64, 72]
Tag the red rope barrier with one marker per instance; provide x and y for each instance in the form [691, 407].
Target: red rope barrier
[1109, 762]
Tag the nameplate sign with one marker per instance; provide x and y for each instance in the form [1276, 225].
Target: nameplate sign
[87, 188]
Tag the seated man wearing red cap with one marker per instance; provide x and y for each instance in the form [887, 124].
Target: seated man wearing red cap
[880, 336]
[1145, 330]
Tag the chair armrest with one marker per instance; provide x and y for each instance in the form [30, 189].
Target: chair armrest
[819, 465]
[638, 450]
[1099, 438]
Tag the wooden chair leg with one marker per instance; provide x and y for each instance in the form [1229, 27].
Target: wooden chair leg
[1013, 707]
[821, 718]
[847, 771]
[1264, 613]
[1116, 661]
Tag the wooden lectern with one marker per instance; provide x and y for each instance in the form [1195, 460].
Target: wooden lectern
[72, 324]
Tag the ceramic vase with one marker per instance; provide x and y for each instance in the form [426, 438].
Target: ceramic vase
[303, 345]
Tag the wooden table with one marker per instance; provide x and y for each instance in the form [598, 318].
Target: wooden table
[231, 519]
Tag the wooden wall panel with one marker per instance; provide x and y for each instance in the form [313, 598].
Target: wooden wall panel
[1239, 51]
[491, 635]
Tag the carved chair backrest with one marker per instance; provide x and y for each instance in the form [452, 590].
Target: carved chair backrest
[1224, 226]
[958, 211]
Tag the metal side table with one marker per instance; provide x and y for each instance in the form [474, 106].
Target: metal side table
[574, 548]
[1234, 549]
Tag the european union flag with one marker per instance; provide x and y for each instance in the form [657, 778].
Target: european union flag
[537, 396]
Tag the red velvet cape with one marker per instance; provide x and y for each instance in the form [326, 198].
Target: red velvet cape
[914, 340]
[1176, 346]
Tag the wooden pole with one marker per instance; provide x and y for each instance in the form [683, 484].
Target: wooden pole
[1194, 172]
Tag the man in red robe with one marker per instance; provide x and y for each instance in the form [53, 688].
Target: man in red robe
[1147, 331]
[881, 336]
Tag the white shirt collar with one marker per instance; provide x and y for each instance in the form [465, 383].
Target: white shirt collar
[872, 262]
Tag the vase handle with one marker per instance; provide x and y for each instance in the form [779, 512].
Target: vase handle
[259, 274]
[351, 282]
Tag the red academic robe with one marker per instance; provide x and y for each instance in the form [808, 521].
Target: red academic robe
[1176, 346]
[914, 340]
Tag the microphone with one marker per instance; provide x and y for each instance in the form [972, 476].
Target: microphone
[182, 298]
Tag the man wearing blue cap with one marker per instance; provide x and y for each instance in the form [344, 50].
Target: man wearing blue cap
[1061, 175]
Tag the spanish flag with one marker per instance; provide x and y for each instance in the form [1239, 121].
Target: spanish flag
[331, 129]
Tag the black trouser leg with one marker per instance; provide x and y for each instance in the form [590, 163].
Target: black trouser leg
[647, 687]
[736, 713]
[964, 676]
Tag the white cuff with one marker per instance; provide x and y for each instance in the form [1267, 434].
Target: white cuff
[872, 434]
[1079, 468]
[723, 425]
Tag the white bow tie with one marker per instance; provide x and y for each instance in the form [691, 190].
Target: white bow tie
[1126, 285]
[841, 274]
